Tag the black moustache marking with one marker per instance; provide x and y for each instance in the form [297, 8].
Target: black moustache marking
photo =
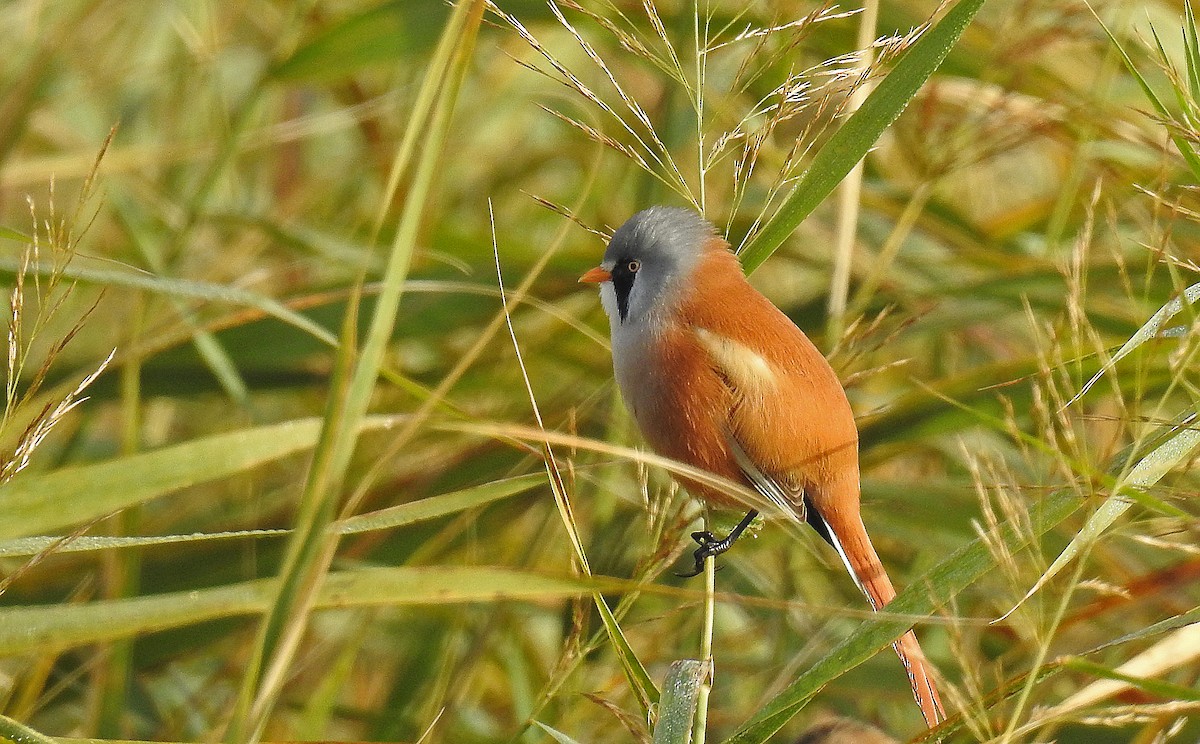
[622, 281]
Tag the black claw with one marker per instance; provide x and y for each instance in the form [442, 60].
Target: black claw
[711, 547]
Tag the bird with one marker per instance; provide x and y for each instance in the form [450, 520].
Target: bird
[718, 378]
[838, 730]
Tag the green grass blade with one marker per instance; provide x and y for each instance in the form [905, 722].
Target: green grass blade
[1191, 45]
[1162, 626]
[678, 707]
[853, 139]
[186, 289]
[38, 503]
[56, 627]
[1185, 147]
[1181, 95]
[439, 506]
[155, 252]
[639, 679]
[28, 546]
[379, 36]
[311, 549]
[10, 234]
[1147, 472]
[1162, 689]
[19, 733]
[935, 589]
[1149, 330]
[216, 358]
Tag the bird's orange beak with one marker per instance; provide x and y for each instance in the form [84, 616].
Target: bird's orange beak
[596, 276]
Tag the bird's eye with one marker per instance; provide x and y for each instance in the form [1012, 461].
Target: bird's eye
[633, 266]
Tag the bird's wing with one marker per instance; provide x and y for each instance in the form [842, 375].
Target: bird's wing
[760, 390]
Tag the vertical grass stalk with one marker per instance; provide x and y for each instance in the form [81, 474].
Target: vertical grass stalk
[706, 653]
[123, 567]
[311, 547]
[850, 190]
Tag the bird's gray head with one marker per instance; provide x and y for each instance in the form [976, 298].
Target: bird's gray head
[649, 256]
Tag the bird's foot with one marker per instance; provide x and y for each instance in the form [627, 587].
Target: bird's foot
[711, 546]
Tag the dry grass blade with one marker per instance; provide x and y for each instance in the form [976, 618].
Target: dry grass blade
[1180, 648]
[665, 170]
[563, 211]
[44, 422]
[596, 135]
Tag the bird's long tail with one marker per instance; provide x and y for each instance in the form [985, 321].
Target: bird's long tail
[849, 537]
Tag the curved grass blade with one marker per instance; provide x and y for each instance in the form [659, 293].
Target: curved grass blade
[39, 503]
[18, 732]
[438, 506]
[9, 233]
[1148, 471]
[1179, 649]
[1186, 148]
[555, 734]
[177, 289]
[311, 547]
[1176, 646]
[1150, 329]
[28, 546]
[853, 139]
[382, 35]
[635, 672]
[56, 627]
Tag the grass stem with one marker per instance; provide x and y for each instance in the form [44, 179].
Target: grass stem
[706, 650]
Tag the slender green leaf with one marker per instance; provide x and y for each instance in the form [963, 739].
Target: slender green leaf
[27, 546]
[56, 627]
[178, 289]
[639, 679]
[1152, 686]
[311, 547]
[853, 139]
[1162, 626]
[381, 35]
[1181, 95]
[1150, 329]
[1148, 471]
[1185, 147]
[1191, 45]
[10, 234]
[19, 733]
[38, 503]
[438, 506]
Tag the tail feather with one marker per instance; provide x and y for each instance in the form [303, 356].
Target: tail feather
[849, 537]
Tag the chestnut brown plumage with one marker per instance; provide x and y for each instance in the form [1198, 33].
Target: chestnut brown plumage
[719, 378]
